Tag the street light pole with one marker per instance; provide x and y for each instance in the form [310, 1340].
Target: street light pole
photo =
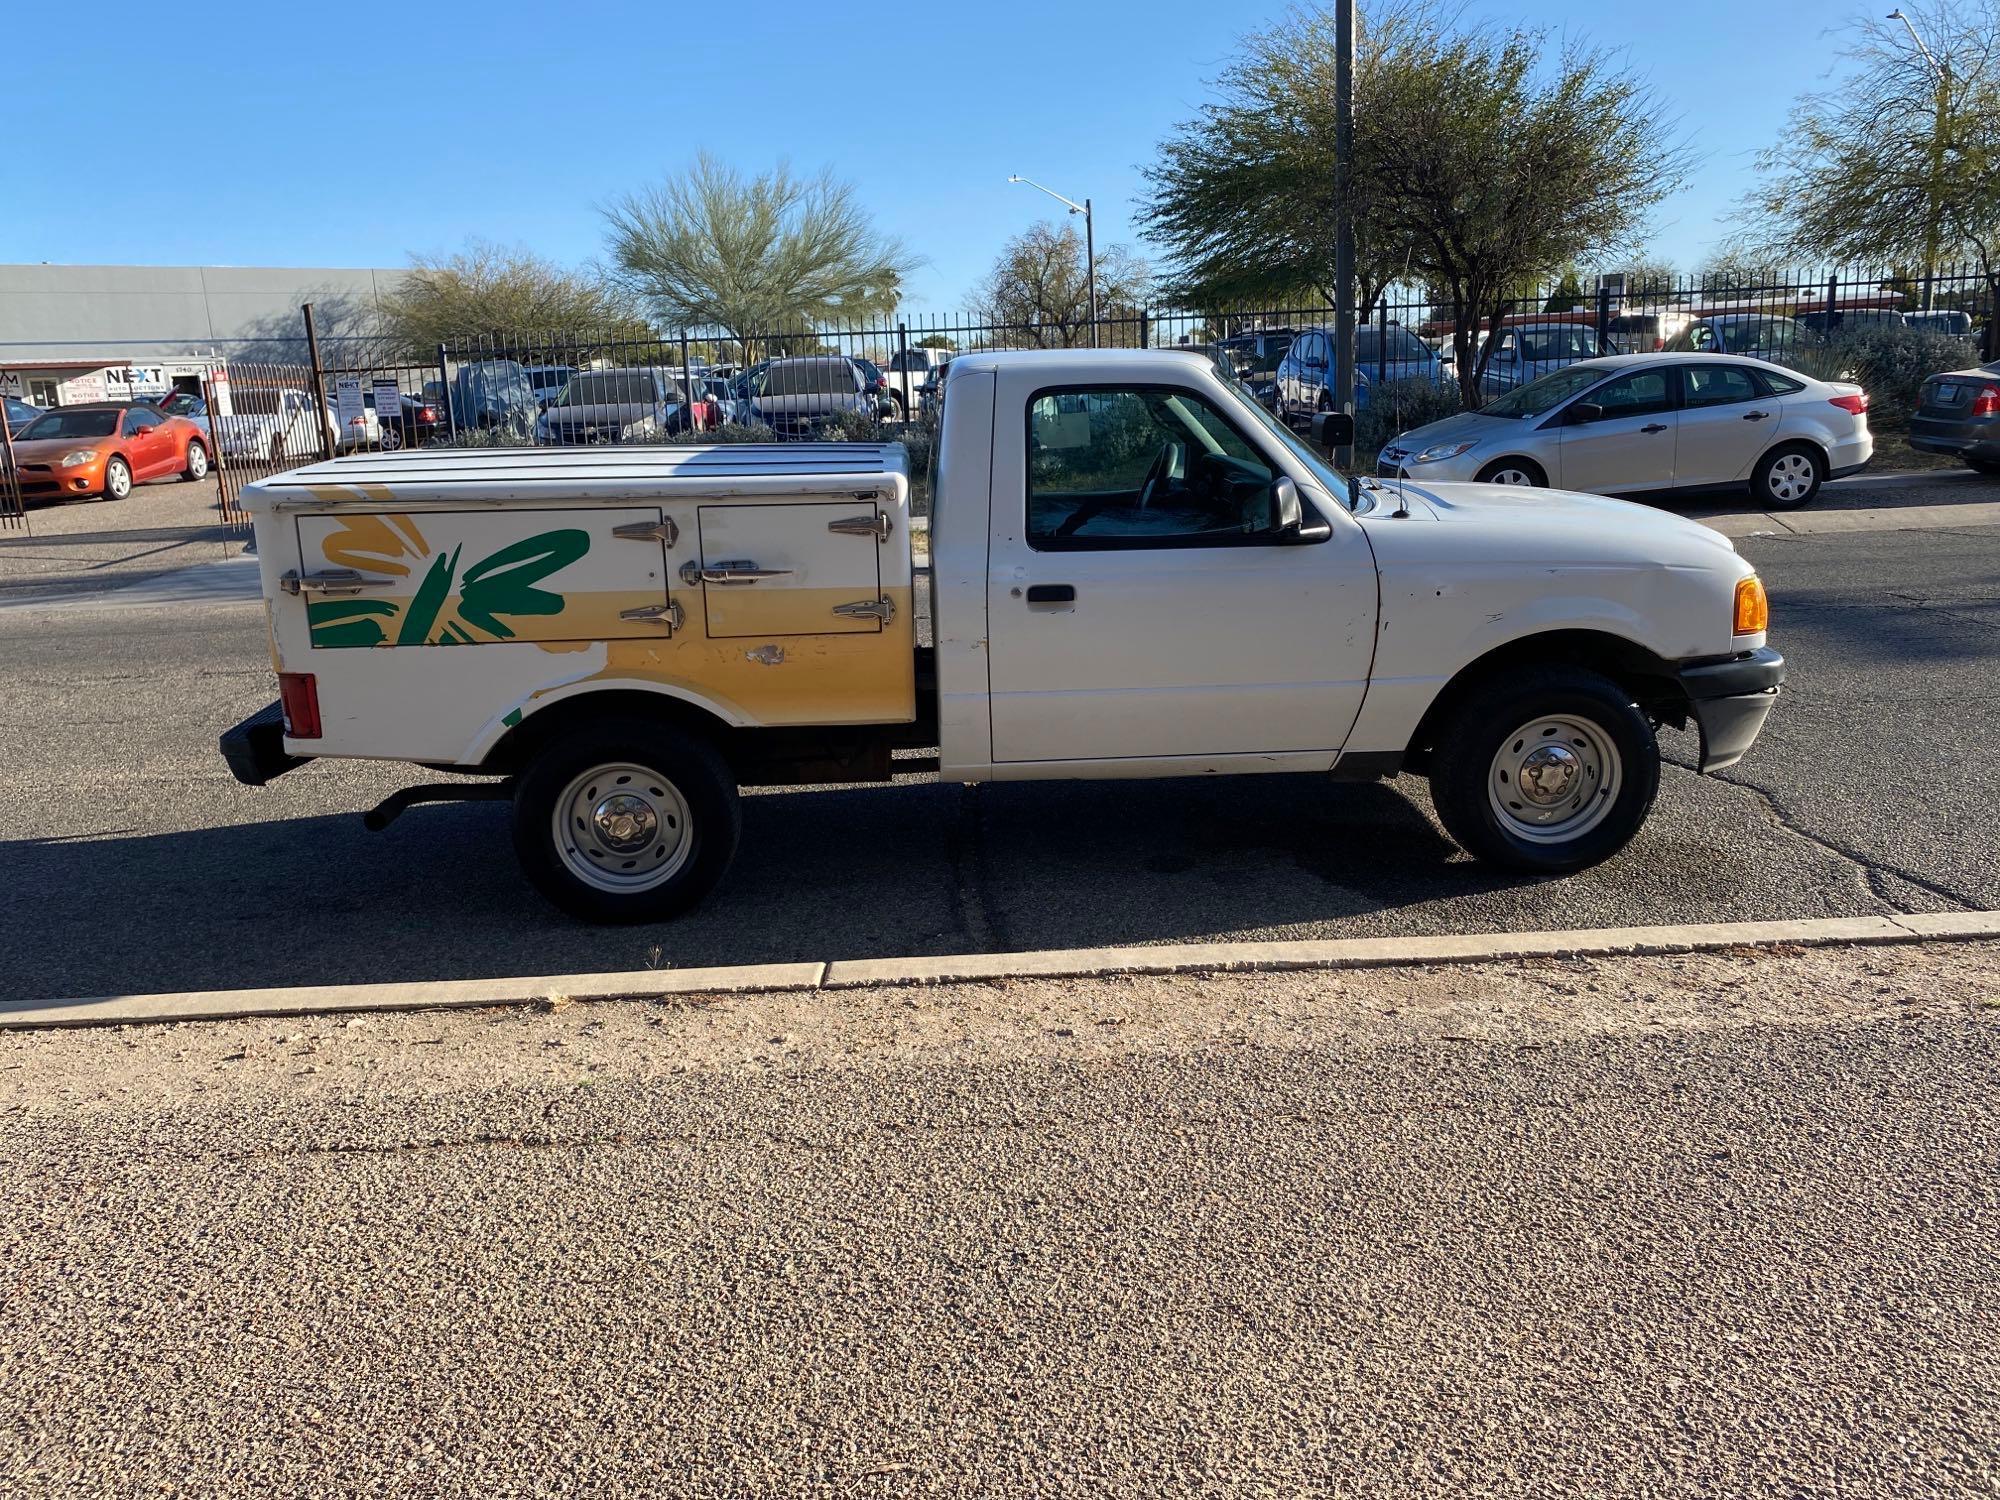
[1940, 123]
[1089, 242]
[1343, 216]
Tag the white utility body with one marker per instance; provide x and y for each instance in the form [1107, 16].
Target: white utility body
[1134, 571]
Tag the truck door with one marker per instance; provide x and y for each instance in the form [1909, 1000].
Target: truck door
[1141, 600]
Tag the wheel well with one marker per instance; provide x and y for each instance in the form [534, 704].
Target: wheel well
[519, 744]
[1519, 460]
[1651, 680]
[1825, 459]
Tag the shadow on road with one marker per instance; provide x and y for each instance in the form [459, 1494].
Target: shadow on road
[912, 868]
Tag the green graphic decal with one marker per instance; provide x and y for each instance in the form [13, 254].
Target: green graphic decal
[490, 592]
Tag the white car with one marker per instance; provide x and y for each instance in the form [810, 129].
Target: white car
[1649, 423]
[1136, 571]
[270, 423]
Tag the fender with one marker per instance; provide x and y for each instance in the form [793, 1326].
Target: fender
[497, 727]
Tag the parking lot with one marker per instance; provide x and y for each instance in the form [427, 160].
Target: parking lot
[138, 864]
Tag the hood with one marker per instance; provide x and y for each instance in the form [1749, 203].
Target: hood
[52, 450]
[606, 413]
[1466, 425]
[1509, 523]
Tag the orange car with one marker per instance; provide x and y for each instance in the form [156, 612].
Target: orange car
[105, 449]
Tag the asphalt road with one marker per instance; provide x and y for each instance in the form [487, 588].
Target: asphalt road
[133, 862]
[1665, 1228]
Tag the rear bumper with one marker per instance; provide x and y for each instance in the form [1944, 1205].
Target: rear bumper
[1730, 701]
[1955, 439]
[255, 749]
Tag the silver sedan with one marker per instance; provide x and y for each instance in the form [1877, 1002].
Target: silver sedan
[1649, 423]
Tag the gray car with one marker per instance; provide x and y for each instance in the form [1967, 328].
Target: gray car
[613, 406]
[1958, 415]
[803, 397]
[1650, 423]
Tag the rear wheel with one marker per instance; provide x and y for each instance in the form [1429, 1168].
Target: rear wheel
[1514, 471]
[197, 460]
[117, 479]
[1788, 478]
[1983, 465]
[626, 820]
[1546, 770]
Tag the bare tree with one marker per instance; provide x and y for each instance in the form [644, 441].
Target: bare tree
[712, 249]
[1039, 290]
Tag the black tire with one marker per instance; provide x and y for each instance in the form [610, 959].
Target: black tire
[117, 488]
[1766, 475]
[1467, 751]
[1538, 477]
[392, 438]
[191, 471]
[278, 448]
[687, 765]
[1983, 465]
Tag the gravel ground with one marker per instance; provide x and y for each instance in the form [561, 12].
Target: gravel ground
[1708, 1225]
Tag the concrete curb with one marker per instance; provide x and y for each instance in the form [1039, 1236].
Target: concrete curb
[1180, 958]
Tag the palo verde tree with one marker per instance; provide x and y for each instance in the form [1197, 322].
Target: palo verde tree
[753, 256]
[487, 291]
[1899, 162]
[1039, 290]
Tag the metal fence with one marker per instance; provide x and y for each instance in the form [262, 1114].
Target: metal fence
[13, 505]
[280, 401]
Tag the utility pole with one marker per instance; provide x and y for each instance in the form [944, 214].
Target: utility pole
[1343, 216]
[1940, 125]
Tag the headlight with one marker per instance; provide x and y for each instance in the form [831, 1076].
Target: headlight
[81, 456]
[1442, 451]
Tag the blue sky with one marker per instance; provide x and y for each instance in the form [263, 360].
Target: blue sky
[355, 134]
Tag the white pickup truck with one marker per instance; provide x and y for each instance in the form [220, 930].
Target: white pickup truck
[1134, 572]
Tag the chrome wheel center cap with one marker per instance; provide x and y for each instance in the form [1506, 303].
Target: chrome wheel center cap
[1548, 774]
[625, 822]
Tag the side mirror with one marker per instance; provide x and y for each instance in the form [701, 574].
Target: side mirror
[1333, 429]
[1285, 500]
[1586, 411]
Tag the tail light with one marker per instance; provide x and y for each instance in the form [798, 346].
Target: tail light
[1987, 402]
[1857, 404]
[1659, 344]
[298, 695]
[427, 414]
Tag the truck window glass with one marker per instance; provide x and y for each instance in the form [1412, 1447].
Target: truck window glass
[1141, 467]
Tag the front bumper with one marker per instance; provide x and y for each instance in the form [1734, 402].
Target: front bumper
[1730, 700]
[255, 749]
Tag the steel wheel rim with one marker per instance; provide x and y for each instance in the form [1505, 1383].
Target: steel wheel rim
[392, 440]
[1554, 779]
[623, 828]
[1511, 476]
[117, 480]
[1791, 477]
[197, 460]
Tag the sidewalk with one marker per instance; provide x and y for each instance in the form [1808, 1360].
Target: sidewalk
[1702, 1224]
[96, 546]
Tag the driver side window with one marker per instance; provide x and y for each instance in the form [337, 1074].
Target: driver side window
[1142, 467]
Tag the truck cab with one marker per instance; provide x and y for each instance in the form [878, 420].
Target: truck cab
[1134, 571]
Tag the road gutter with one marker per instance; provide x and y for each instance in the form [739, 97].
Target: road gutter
[1072, 963]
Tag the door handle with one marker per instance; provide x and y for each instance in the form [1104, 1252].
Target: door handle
[1654, 427]
[737, 570]
[333, 583]
[1052, 593]
[1755, 416]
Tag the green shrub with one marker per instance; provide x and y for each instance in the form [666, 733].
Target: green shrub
[1395, 406]
[1890, 363]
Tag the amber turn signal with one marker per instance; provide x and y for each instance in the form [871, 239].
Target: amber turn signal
[1753, 610]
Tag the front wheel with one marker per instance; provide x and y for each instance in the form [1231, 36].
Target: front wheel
[117, 479]
[1545, 770]
[626, 821]
[1514, 471]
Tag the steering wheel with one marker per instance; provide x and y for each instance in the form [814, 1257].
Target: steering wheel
[1157, 473]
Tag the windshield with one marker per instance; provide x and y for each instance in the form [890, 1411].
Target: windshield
[1539, 396]
[70, 424]
[1329, 478]
[610, 388]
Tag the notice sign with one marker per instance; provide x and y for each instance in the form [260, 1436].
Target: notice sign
[348, 403]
